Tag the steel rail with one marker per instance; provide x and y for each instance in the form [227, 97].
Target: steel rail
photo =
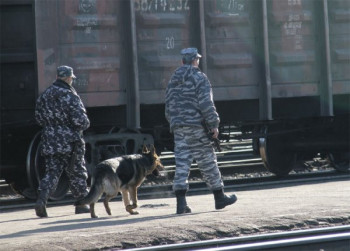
[262, 241]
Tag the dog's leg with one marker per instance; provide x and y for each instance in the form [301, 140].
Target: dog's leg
[133, 196]
[128, 207]
[105, 203]
[92, 210]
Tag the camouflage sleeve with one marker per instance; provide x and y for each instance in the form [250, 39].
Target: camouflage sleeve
[78, 116]
[206, 103]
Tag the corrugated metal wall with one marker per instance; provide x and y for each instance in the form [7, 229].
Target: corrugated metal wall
[91, 36]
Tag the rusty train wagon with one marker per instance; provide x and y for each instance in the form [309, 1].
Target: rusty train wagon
[279, 70]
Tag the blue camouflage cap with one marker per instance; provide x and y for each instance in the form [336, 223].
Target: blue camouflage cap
[190, 54]
[65, 71]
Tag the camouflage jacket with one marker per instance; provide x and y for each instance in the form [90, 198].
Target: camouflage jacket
[61, 113]
[189, 99]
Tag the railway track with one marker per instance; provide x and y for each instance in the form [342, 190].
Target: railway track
[240, 168]
[327, 238]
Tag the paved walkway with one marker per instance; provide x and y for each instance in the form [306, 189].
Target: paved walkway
[268, 210]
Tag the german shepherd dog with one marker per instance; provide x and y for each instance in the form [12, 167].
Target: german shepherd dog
[121, 174]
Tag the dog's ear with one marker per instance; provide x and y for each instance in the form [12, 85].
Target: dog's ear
[152, 149]
[145, 149]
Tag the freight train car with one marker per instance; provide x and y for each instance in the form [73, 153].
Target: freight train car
[280, 72]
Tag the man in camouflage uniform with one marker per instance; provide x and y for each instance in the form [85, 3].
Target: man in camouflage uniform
[63, 117]
[188, 103]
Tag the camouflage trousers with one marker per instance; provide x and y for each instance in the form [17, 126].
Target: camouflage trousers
[193, 143]
[77, 175]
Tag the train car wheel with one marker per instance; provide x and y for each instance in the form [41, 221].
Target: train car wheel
[114, 129]
[340, 161]
[277, 158]
[36, 170]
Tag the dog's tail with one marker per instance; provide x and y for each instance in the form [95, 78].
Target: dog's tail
[94, 194]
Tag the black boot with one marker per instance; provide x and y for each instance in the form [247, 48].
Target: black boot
[40, 205]
[181, 207]
[82, 209]
[222, 200]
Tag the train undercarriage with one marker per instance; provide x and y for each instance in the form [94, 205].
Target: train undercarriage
[282, 145]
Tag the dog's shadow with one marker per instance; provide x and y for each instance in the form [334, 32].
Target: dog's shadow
[106, 220]
[86, 223]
